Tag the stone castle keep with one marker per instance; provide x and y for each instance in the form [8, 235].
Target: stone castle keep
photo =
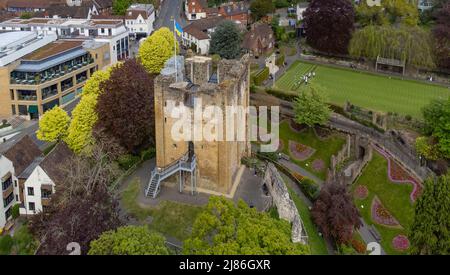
[200, 165]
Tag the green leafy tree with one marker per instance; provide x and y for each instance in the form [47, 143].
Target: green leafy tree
[411, 44]
[226, 40]
[225, 229]
[310, 107]
[92, 85]
[389, 12]
[430, 231]
[437, 120]
[53, 125]
[84, 118]
[129, 240]
[427, 148]
[261, 8]
[121, 6]
[156, 50]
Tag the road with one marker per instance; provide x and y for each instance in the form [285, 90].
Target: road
[169, 9]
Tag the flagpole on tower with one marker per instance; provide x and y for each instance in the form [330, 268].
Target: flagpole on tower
[175, 48]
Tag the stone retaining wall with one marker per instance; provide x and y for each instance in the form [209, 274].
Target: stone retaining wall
[285, 206]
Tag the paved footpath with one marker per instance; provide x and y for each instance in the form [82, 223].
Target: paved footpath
[302, 171]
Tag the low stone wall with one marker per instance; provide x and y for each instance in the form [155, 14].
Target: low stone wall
[285, 206]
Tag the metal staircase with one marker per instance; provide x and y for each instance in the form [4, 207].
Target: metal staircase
[185, 164]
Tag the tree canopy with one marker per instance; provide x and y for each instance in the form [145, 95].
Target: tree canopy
[129, 240]
[441, 33]
[82, 209]
[53, 125]
[84, 118]
[329, 25]
[411, 44]
[335, 214]
[92, 85]
[430, 231]
[156, 50]
[437, 121]
[226, 40]
[261, 8]
[223, 228]
[126, 108]
[310, 106]
[120, 6]
[390, 12]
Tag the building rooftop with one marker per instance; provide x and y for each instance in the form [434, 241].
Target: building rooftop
[53, 49]
[8, 39]
[64, 22]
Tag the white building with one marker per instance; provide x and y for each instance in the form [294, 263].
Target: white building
[111, 31]
[15, 156]
[139, 19]
[42, 178]
[198, 34]
[195, 9]
[301, 7]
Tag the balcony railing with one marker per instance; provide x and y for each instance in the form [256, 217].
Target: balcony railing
[49, 75]
[27, 97]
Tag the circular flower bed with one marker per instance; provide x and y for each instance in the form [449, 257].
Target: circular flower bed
[361, 192]
[300, 151]
[318, 165]
[400, 242]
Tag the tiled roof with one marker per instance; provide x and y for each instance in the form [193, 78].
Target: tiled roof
[22, 153]
[260, 33]
[53, 164]
[199, 27]
[42, 4]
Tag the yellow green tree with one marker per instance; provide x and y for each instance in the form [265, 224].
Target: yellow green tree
[53, 125]
[156, 50]
[84, 117]
[92, 85]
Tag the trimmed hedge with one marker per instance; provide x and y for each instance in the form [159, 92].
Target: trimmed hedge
[127, 161]
[280, 60]
[260, 76]
[310, 188]
[288, 96]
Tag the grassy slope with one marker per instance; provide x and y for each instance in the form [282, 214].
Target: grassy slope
[395, 197]
[169, 218]
[324, 148]
[367, 90]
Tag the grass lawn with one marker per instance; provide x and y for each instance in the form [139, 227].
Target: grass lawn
[316, 242]
[324, 148]
[393, 196]
[169, 218]
[367, 90]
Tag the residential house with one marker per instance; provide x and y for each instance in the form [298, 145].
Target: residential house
[198, 34]
[235, 11]
[300, 8]
[196, 9]
[41, 179]
[15, 156]
[139, 19]
[259, 39]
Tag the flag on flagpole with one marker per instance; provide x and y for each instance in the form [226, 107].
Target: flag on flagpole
[178, 28]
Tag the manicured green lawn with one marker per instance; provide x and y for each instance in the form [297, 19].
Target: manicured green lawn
[169, 218]
[324, 148]
[394, 196]
[371, 91]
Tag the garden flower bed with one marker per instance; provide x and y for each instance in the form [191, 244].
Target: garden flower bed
[318, 165]
[400, 242]
[398, 174]
[381, 215]
[361, 192]
[300, 151]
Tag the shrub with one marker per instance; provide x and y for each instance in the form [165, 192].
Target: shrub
[260, 76]
[127, 161]
[310, 188]
[15, 211]
[288, 96]
[6, 244]
[359, 246]
[148, 154]
[280, 60]
[408, 117]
